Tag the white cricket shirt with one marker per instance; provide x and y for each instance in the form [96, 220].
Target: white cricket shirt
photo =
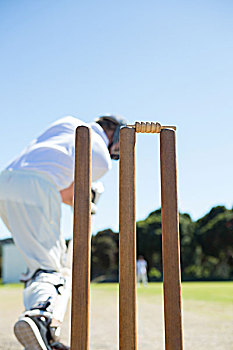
[53, 152]
[141, 266]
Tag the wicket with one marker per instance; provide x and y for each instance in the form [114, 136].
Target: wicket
[127, 239]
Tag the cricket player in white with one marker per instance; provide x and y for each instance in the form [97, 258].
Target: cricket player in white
[142, 270]
[32, 189]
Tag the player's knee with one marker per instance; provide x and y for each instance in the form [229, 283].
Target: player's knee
[42, 290]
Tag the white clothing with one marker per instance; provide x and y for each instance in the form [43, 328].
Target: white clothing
[53, 152]
[142, 271]
[142, 277]
[141, 266]
[30, 206]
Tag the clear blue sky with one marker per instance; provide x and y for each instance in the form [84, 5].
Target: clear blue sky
[166, 61]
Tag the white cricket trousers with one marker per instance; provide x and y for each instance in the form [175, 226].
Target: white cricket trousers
[30, 207]
[142, 277]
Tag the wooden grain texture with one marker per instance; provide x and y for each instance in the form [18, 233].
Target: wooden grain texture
[82, 235]
[127, 242]
[170, 242]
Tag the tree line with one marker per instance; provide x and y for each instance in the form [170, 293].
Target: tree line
[206, 247]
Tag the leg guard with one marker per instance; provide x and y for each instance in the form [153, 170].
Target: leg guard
[63, 298]
[41, 292]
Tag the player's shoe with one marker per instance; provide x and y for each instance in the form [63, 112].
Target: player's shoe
[33, 333]
[59, 346]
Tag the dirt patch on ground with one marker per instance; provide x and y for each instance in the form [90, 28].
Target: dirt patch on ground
[206, 325]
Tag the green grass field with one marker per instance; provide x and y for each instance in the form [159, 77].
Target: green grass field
[221, 292]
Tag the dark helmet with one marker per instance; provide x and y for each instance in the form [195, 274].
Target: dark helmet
[118, 121]
[115, 119]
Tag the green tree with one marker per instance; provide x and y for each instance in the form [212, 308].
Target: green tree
[104, 254]
[206, 246]
[149, 242]
[215, 237]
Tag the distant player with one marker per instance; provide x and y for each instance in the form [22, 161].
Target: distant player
[142, 270]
